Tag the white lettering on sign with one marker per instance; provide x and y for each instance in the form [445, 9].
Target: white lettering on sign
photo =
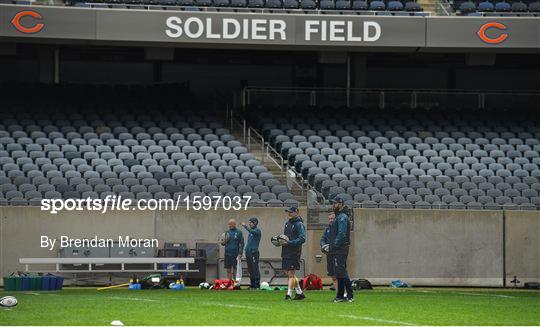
[226, 28]
[342, 31]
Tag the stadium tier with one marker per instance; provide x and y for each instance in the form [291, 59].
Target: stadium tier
[496, 7]
[410, 6]
[406, 159]
[80, 153]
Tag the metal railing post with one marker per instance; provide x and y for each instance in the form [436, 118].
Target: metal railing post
[244, 131]
[249, 139]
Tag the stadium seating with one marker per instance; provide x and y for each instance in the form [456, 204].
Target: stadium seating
[501, 7]
[375, 6]
[420, 159]
[137, 153]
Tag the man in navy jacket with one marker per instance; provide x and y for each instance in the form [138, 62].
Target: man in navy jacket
[292, 251]
[233, 248]
[339, 239]
[252, 252]
[324, 242]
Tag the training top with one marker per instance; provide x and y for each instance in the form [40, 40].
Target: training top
[339, 236]
[235, 242]
[324, 236]
[295, 231]
[254, 238]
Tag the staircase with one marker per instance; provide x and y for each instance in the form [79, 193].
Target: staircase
[255, 147]
[428, 6]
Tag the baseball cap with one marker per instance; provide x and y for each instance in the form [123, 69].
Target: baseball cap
[336, 200]
[291, 209]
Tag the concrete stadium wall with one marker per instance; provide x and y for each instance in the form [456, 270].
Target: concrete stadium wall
[429, 247]
[21, 228]
[522, 246]
[423, 247]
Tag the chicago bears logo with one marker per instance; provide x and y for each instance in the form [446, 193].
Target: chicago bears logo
[482, 33]
[27, 28]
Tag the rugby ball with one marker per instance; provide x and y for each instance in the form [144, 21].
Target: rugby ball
[279, 240]
[204, 286]
[325, 248]
[223, 238]
[8, 302]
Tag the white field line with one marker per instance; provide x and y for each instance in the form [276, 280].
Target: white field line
[131, 299]
[486, 294]
[377, 320]
[228, 305]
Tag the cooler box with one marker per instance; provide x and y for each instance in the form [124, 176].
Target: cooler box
[36, 283]
[25, 283]
[10, 283]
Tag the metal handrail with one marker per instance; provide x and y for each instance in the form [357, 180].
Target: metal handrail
[443, 8]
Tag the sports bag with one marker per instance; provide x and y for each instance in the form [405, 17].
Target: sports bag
[361, 284]
[312, 282]
[223, 284]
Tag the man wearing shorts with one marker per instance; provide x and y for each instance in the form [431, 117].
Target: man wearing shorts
[233, 248]
[291, 252]
[329, 257]
[339, 239]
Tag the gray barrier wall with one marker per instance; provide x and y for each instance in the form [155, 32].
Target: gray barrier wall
[522, 246]
[423, 247]
[266, 30]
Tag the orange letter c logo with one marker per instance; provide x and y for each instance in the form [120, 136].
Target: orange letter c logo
[16, 21]
[482, 33]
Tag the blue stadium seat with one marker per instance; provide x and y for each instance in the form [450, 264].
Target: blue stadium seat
[467, 7]
[221, 3]
[255, 3]
[534, 7]
[327, 5]
[519, 6]
[308, 4]
[395, 5]
[503, 6]
[486, 6]
[239, 3]
[274, 4]
[203, 3]
[290, 4]
[360, 5]
[377, 5]
[343, 4]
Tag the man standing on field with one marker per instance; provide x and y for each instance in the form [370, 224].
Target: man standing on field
[339, 239]
[325, 245]
[233, 248]
[252, 252]
[291, 252]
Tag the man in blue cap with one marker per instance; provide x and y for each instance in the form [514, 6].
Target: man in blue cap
[291, 252]
[339, 239]
[252, 252]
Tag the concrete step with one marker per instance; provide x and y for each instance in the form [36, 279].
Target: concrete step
[255, 148]
[428, 5]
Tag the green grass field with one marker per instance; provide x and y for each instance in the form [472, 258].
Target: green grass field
[382, 306]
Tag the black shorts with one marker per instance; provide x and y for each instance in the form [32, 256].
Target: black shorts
[340, 265]
[330, 265]
[290, 263]
[230, 261]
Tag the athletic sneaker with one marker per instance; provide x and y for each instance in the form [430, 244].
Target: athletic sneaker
[350, 299]
[287, 297]
[299, 296]
[339, 299]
